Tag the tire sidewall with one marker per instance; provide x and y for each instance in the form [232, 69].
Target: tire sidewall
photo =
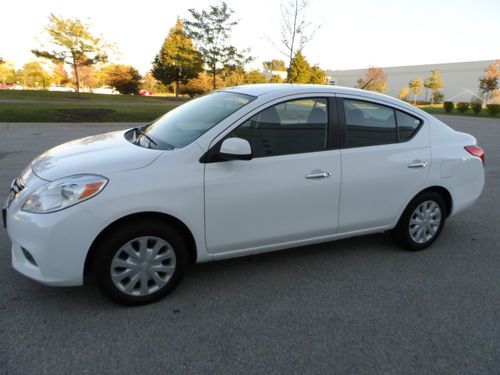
[119, 237]
[402, 233]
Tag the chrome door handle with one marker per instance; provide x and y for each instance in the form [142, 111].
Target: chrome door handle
[418, 164]
[318, 175]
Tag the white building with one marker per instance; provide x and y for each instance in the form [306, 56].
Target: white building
[461, 79]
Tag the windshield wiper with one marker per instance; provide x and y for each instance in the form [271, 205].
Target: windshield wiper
[145, 135]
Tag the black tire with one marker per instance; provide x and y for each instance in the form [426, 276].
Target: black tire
[114, 241]
[401, 233]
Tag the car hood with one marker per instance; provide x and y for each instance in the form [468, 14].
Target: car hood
[98, 154]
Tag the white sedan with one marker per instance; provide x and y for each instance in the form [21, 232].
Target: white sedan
[241, 171]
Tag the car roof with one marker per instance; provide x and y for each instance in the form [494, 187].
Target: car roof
[276, 90]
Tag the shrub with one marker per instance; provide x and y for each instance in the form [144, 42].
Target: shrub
[476, 106]
[448, 107]
[493, 109]
[462, 107]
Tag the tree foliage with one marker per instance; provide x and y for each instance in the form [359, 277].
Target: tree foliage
[296, 30]
[318, 75]
[211, 31]
[490, 81]
[434, 82]
[274, 65]
[415, 86]
[72, 43]
[7, 72]
[374, 80]
[34, 75]
[300, 70]
[178, 60]
[59, 75]
[126, 79]
[255, 76]
[403, 94]
[197, 86]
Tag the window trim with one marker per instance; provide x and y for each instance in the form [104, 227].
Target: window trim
[333, 140]
[343, 122]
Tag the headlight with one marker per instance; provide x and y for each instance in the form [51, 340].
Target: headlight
[63, 193]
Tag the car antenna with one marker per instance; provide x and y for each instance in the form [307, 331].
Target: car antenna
[366, 84]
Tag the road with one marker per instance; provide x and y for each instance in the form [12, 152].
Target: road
[356, 306]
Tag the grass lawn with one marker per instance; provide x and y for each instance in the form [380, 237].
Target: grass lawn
[46, 106]
[437, 109]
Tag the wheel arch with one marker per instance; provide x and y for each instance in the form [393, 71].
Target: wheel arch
[444, 193]
[157, 216]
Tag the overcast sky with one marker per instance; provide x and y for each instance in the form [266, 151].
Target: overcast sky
[354, 33]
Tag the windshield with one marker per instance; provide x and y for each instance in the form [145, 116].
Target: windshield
[184, 124]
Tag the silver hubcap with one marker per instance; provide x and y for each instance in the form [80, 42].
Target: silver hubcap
[143, 266]
[425, 222]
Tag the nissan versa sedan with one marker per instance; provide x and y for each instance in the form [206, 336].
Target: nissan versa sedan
[241, 171]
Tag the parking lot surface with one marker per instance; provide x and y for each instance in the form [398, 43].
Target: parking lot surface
[356, 306]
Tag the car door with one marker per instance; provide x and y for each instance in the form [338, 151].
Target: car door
[385, 162]
[288, 191]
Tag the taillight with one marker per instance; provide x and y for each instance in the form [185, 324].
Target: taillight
[476, 151]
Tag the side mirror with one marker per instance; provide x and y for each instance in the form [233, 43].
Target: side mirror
[235, 149]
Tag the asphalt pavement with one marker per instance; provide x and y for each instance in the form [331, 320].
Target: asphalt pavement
[355, 306]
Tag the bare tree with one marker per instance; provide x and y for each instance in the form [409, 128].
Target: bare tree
[296, 30]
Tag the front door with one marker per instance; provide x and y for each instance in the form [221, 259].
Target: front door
[288, 192]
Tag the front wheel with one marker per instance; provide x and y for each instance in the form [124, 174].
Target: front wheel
[140, 263]
[421, 222]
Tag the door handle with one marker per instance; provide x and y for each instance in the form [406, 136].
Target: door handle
[318, 175]
[418, 164]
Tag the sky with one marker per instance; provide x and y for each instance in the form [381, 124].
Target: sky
[353, 34]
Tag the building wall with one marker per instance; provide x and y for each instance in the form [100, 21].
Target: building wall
[461, 80]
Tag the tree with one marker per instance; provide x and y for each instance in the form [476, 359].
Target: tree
[274, 65]
[403, 94]
[231, 76]
[317, 75]
[60, 75]
[375, 80]
[433, 83]
[196, 86]
[7, 73]
[300, 70]
[89, 77]
[177, 60]
[416, 87]
[34, 75]
[296, 31]
[211, 31]
[126, 79]
[72, 43]
[490, 81]
[255, 76]
[275, 78]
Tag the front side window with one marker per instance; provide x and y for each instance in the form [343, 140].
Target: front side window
[292, 127]
[184, 124]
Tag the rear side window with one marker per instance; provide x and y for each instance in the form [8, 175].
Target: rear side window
[407, 125]
[292, 127]
[371, 124]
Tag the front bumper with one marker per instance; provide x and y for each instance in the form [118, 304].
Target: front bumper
[52, 248]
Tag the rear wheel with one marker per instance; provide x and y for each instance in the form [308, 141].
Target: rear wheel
[140, 263]
[421, 222]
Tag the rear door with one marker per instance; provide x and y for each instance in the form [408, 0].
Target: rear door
[385, 162]
[289, 191]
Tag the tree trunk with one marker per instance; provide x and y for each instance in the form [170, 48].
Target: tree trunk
[75, 68]
[415, 100]
[214, 79]
[177, 88]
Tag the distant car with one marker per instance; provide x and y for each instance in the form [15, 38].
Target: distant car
[106, 90]
[146, 92]
[61, 88]
[241, 171]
